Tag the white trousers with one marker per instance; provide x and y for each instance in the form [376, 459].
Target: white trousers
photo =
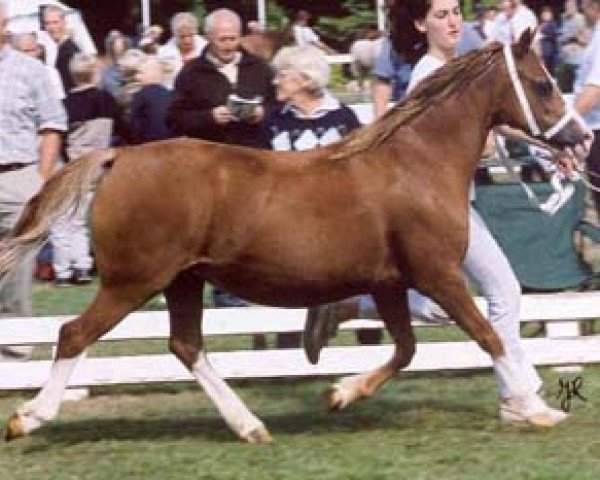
[70, 241]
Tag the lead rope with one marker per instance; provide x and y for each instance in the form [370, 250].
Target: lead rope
[534, 129]
[584, 174]
[510, 166]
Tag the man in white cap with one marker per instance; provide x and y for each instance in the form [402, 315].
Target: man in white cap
[32, 120]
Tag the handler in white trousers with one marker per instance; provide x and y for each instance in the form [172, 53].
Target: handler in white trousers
[485, 264]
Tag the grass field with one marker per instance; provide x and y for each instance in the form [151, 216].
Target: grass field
[420, 426]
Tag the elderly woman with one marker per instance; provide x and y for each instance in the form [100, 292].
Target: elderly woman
[310, 117]
[185, 45]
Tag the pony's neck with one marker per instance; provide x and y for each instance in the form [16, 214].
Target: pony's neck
[465, 118]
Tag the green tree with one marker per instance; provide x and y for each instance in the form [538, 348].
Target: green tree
[198, 8]
[277, 17]
[468, 6]
[359, 14]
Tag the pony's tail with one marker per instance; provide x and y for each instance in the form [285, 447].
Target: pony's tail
[61, 194]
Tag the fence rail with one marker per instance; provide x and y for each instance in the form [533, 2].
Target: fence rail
[560, 312]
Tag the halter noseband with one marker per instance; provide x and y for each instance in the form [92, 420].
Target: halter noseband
[526, 107]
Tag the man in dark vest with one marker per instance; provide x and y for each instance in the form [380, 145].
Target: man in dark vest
[202, 106]
[53, 18]
[222, 96]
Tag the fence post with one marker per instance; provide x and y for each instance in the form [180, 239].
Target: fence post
[569, 329]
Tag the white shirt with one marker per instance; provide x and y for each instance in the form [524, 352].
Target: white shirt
[523, 19]
[56, 82]
[423, 68]
[588, 73]
[489, 29]
[171, 55]
[304, 36]
[509, 30]
[328, 104]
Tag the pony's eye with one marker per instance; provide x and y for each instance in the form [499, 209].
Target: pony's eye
[543, 88]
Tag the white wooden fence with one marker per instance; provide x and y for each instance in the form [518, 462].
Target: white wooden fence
[561, 313]
[339, 59]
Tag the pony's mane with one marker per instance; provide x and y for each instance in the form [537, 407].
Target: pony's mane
[436, 88]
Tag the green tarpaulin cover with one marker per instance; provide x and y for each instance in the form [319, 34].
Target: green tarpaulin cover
[540, 247]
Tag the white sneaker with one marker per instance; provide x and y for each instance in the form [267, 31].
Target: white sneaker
[517, 415]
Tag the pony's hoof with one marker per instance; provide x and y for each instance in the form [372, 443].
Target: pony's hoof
[15, 428]
[334, 400]
[259, 435]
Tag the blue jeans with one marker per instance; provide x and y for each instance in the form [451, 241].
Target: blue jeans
[223, 299]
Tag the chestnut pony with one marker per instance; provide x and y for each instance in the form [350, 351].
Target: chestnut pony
[266, 44]
[383, 210]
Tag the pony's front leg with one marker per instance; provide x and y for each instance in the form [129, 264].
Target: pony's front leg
[184, 300]
[393, 309]
[524, 405]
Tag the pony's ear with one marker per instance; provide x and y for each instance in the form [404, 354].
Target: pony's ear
[524, 43]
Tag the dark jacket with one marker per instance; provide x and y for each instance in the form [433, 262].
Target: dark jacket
[93, 114]
[148, 111]
[200, 87]
[65, 53]
[549, 45]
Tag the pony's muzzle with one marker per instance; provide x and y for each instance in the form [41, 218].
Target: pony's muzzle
[573, 134]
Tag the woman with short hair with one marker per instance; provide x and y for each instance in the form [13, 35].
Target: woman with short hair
[310, 116]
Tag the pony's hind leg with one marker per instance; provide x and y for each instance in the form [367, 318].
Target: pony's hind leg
[393, 309]
[184, 300]
[108, 308]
